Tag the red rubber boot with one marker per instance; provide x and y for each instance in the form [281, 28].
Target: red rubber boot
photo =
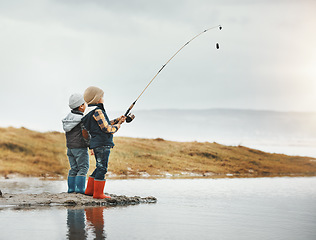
[98, 189]
[90, 186]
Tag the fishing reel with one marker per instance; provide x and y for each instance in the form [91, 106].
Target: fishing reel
[129, 117]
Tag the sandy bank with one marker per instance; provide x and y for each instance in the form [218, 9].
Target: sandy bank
[68, 199]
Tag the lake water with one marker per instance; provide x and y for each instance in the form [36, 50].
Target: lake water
[243, 208]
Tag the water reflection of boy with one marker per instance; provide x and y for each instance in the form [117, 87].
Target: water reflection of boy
[76, 224]
[94, 217]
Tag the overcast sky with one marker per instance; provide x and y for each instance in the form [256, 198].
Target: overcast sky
[52, 48]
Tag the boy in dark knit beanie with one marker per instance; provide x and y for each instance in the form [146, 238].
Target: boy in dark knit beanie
[101, 130]
[77, 144]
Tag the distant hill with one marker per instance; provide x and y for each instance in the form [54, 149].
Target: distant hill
[223, 124]
[259, 129]
[31, 153]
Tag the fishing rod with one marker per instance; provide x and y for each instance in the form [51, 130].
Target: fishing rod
[128, 115]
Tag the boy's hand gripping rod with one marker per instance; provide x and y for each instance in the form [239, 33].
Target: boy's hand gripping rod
[130, 117]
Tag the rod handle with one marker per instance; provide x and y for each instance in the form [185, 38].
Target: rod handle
[129, 109]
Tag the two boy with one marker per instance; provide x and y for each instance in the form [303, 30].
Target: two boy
[101, 130]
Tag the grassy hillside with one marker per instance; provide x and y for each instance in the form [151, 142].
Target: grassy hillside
[31, 153]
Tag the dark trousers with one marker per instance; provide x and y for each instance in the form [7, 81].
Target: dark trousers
[102, 158]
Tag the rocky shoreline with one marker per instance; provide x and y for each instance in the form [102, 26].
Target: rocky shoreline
[69, 199]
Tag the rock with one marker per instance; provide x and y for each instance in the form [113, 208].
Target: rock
[70, 203]
[70, 199]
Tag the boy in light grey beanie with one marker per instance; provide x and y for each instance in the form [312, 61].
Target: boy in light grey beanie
[77, 143]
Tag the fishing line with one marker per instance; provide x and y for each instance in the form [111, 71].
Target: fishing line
[130, 117]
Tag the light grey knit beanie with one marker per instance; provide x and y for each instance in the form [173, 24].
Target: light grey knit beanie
[75, 100]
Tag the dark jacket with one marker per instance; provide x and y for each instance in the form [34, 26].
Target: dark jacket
[73, 127]
[99, 126]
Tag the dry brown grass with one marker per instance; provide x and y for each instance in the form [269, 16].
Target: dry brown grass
[31, 153]
[156, 156]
